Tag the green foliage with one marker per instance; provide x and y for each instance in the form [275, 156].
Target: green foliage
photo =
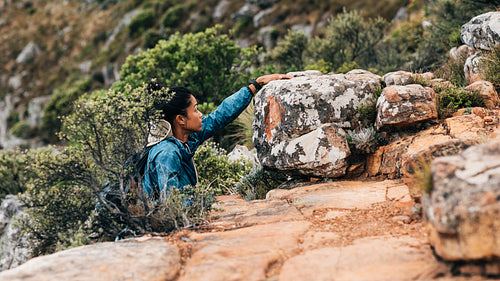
[21, 130]
[240, 131]
[151, 38]
[56, 198]
[12, 172]
[61, 104]
[321, 65]
[141, 22]
[348, 38]
[288, 54]
[446, 18]
[450, 99]
[12, 119]
[347, 66]
[422, 170]
[362, 141]
[258, 182]
[491, 67]
[215, 169]
[208, 62]
[173, 16]
[367, 111]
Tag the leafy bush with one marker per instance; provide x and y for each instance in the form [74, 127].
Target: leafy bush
[57, 199]
[141, 22]
[215, 169]
[151, 38]
[491, 67]
[209, 63]
[288, 54]
[12, 172]
[450, 99]
[446, 18]
[348, 38]
[21, 130]
[61, 104]
[258, 182]
[173, 16]
[321, 65]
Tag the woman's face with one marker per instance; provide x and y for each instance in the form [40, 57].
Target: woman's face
[193, 122]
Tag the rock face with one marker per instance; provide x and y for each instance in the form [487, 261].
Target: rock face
[405, 105]
[482, 32]
[154, 259]
[14, 248]
[472, 68]
[463, 208]
[343, 230]
[298, 123]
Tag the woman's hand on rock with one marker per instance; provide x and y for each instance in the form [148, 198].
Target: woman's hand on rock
[263, 80]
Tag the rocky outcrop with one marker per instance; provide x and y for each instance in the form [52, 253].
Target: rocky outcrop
[405, 105]
[298, 123]
[482, 32]
[294, 234]
[472, 68]
[14, 247]
[463, 207]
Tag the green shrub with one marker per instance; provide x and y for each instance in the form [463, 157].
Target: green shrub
[288, 54]
[347, 66]
[12, 172]
[258, 182]
[173, 16]
[450, 99]
[321, 65]
[57, 200]
[150, 39]
[61, 104]
[348, 38]
[21, 130]
[367, 111]
[491, 67]
[209, 63]
[215, 169]
[141, 22]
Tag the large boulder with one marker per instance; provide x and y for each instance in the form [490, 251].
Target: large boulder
[482, 32]
[463, 208]
[405, 105]
[299, 123]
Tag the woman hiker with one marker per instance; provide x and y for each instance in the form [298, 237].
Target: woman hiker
[175, 138]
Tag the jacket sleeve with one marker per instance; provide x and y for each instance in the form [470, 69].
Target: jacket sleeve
[225, 113]
[167, 168]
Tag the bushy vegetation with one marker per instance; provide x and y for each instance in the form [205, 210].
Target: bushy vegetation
[258, 182]
[450, 99]
[12, 172]
[208, 62]
[215, 169]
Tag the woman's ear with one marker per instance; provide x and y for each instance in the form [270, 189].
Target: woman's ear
[180, 120]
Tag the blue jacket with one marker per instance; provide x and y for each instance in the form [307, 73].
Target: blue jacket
[170, 162]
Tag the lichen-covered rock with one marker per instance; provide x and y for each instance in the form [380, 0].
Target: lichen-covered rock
[405, 105]
[463, 208]
[482, 32]
[322, 152]
[462, 52]
[472, 68]
[487, 91]
[298, 124]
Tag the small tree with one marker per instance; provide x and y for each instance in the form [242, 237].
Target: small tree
[288, 54]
